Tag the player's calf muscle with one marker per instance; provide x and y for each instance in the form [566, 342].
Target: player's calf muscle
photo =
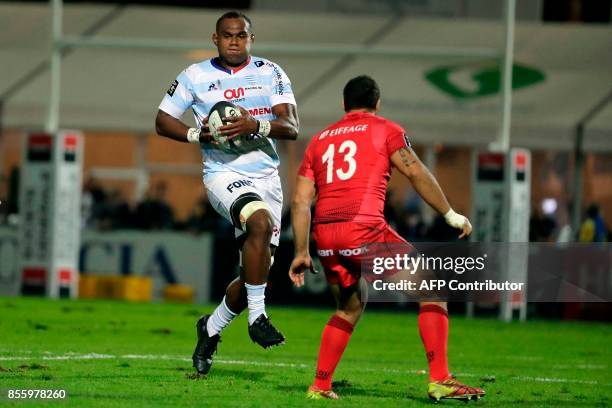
[256, 250]
[348, 303]
[235, 295]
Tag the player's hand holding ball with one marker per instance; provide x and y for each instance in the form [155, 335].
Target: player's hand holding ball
[228, 121]
[221, 121]
[458, 221]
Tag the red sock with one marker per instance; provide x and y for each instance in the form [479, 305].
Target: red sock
[433, 328]
[335, 337]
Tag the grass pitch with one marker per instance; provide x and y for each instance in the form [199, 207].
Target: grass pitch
[112, 354]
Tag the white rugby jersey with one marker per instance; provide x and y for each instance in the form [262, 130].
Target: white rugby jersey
[256, 86]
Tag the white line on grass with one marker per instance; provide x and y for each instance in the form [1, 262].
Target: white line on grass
[523, 358]
[580, 366]
[577, 365]
[557, 380]
[97, 356]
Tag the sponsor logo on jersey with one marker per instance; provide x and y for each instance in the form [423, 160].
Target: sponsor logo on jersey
[239, 184]
[325, 252]
[212, 87]
[351, 252]
[260, 111]
[172, 88]
[234, 93]
[278, 79]
[259, 64]
[343, 252]
[343, 130]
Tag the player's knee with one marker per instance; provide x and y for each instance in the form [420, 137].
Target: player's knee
[251, 214]
[260, 224]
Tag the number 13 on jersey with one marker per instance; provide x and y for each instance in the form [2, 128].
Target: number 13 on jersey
[348, 149]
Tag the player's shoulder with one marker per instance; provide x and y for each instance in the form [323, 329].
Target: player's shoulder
[200, 70]
[322, 134]
[388, 124]
[264, 64]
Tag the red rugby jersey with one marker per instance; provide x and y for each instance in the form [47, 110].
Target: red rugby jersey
[350, 164]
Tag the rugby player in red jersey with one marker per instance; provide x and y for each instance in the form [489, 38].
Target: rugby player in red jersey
[347, 166]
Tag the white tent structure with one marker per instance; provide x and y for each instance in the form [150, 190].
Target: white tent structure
[119, 88]
[101, 67]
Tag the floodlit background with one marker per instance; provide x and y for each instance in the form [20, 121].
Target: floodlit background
[127, 227]
[439, 67]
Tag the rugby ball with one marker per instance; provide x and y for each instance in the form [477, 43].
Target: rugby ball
[219, 111]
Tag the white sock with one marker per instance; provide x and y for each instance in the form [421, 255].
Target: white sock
[221, 317]
[256, 299]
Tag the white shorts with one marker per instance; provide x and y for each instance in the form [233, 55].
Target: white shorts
[223, 190]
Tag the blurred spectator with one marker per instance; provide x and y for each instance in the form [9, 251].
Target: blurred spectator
[412, 227]
[13, 192]
[114, 213]
[3, 212]
[9, 203]
[541, 226]
[566, 232]
[440, 231]
[154, 212]
[286, 230]
[204, 218]
[92, 202]
[390, 212]
[593, 228]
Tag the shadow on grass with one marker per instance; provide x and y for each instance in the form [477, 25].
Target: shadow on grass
[540, 403]
[225, 374]
[78, 309]
[345, 388]
[193, 312]
[23, 368]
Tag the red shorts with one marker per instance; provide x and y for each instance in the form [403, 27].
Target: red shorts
[340, 248]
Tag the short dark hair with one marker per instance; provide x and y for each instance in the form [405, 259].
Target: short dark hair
[361, 92]
[232, 14]
[592, 211]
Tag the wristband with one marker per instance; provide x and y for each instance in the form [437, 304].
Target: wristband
[264, 127]
[453, 219]
[193, 135]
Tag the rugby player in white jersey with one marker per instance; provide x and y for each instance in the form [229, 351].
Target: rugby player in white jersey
[242, 182]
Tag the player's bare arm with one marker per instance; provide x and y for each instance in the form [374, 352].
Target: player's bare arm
[300, 217]
[409, 164]
[285, 126]
[173, 128]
